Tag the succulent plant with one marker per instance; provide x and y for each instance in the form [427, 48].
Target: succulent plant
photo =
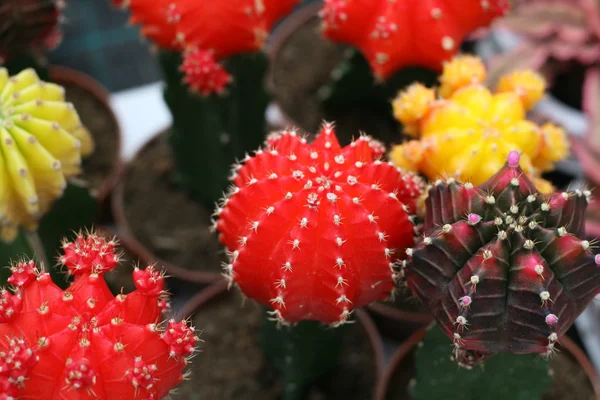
[325, 223]
[397, 34]
[220, 29]
[502, 267]
[83, 342]
[468, 131]
[42, 141]
[29, 27]
[215, 81]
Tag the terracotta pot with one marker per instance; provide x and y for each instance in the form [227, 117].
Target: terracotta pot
[395, 323]
[218, 289]
[64, 75]
[402, 358]
[134, 246]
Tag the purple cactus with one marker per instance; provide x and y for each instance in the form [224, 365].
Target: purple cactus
[502, 267]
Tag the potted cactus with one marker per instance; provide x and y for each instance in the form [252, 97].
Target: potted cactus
[362, 53]
[41, 150]
[326, 225]
[82, 342]
[505, 271]
[31, 29]
[214, 88]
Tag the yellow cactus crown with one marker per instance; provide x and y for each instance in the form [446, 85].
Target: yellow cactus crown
[469, 131]
[41, 141]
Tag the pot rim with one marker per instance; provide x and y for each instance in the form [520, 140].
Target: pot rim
[59, 73]
[210, 293]
[129, 240]
[409, 344]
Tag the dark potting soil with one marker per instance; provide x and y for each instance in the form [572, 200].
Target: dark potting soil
[570, 380]
[98, 119]
[162, 217]
[230, 365]
[302, 66]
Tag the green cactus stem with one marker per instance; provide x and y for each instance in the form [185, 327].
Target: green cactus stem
[504, 376]
[352, 82]
[303, 354]
[209, 133]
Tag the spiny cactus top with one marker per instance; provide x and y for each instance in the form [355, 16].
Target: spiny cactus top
[313, 230]
[84, 343]
[29, 26]
[562, 30]
[396, 34]
[468, 131]
[208, 31]
[502, 267]
[41, 144]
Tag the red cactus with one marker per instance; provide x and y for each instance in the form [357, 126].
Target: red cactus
[396, 34]
[222, 28]
[314, 230]
[84, 343]
[502, 267]
[203, 74]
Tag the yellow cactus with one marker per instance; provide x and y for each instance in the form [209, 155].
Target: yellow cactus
[527, 84]
[459, 72]
[411, 105]
[40, 148]
[469, 134]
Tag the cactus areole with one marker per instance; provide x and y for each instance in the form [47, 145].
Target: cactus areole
[401, 33]
[314, 230]
[83, 342]
[502, 267]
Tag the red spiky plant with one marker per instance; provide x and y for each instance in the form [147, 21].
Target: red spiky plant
[29, 27]
[83, 342]
[207, 32]
[502, 267]
[313, 230]
[396, 34]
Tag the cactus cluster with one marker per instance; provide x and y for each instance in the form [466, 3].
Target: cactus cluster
[29, 27]
[465, 131]
[325, 224]
[207, 33]
[502, 267]
[42, 141]
[396, 34]
[83, 342]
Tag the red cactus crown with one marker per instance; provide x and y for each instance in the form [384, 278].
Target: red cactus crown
[313, 230]
[396, 34]
[82, 342]
[207, 32]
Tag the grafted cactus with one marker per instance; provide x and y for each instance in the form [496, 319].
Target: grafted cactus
[84, 343]
[502, 267]
[325, 223]
[467, 132]
[42, 141]
[29, 27]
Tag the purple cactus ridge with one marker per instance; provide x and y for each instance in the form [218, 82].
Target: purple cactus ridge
[513, 159]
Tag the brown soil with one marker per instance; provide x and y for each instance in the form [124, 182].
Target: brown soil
[303, 65]
[162, 217]
[570, 380]
[98, 119]
[230, 365]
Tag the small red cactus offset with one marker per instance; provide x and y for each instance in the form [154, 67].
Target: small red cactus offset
[202, 28]
[84, 343]
[313, 230]
[396, 34]
[502, 267]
